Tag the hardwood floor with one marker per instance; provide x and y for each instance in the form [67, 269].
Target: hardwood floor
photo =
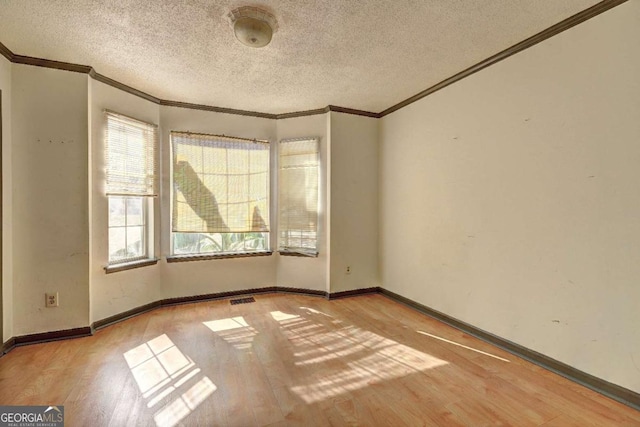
[295, 360]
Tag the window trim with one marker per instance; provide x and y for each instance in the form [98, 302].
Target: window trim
[114, 268]
[212, 256]
[300, 254]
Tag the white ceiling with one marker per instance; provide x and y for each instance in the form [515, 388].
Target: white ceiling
[367, 55]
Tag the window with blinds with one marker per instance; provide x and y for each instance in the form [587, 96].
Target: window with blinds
[131, 159]
[131, 176]
[298, 179]
[220, 194]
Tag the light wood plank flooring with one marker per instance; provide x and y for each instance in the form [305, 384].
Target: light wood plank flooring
[295, 360]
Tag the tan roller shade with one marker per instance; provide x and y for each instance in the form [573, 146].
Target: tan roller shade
[220, 184]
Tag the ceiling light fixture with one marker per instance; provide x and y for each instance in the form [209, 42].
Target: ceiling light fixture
[254, 27]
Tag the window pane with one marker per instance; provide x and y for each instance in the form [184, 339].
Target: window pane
[185, 243]
[135, 243]
[255, 241]
[135, 211]
[203, 243]
[116, 211]
[209, 243]
[117, 244]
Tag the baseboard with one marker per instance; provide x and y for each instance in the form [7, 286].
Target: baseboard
[613, 391]
[215, 296]
[353, 293]
[300, 291]
[201, 298]
[7, 346]
[108, 321]
[50, 336]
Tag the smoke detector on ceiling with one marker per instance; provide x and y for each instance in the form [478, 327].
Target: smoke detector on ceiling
[252, 26]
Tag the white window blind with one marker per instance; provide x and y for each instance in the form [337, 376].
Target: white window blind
[131, 156]
[220, 184]
[298, 196]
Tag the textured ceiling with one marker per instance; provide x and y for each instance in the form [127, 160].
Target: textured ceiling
[367, 55]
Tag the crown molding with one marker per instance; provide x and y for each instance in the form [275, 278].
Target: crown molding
[328, 108]
[337, 109]
[48, 63]
[85, 69]
[558, 28]
[217, 109]
[123, 87]
[4, 51]
[295, 114]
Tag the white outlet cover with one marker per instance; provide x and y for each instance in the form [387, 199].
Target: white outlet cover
[52, 300]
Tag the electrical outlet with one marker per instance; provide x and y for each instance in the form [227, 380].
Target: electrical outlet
[348, 269]
[52, 300]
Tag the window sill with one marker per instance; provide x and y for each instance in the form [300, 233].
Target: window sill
[204, 257]
[114, 268]
[299, 254]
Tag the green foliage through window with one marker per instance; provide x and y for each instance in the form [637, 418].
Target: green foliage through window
[205, 243]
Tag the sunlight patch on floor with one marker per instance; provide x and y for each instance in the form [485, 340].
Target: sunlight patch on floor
[154, 363]
[226, 324]
[177, 410]
[357, 358]
[463, 346]
[160, 369]
[234, 330]
[279, 316]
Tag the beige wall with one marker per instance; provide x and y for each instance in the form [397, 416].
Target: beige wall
[354, 202]
[7, 225]
[117, 292]
[510, 200]
[205, 277]
[303, 272]
[50, 198]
